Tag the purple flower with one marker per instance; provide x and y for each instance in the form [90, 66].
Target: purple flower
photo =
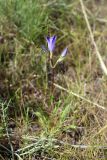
[51, 43]
[64, 52]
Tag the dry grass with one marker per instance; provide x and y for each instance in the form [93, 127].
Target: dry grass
[69, 122]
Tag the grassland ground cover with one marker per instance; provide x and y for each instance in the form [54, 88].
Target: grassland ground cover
[53, 119]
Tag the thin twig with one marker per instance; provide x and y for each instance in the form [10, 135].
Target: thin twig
[83, 146]
[101, 130]
[104, 68]
[79, 96]
[79, 146]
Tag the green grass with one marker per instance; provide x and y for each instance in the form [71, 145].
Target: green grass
[29, 17]
[36, 121]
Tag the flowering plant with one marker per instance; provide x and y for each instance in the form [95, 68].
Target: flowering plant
[51, 46]
[50, 76]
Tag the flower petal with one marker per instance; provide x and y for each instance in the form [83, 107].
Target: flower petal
[47, 39]
[64, 52]
[54, 39]
[51, 43]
